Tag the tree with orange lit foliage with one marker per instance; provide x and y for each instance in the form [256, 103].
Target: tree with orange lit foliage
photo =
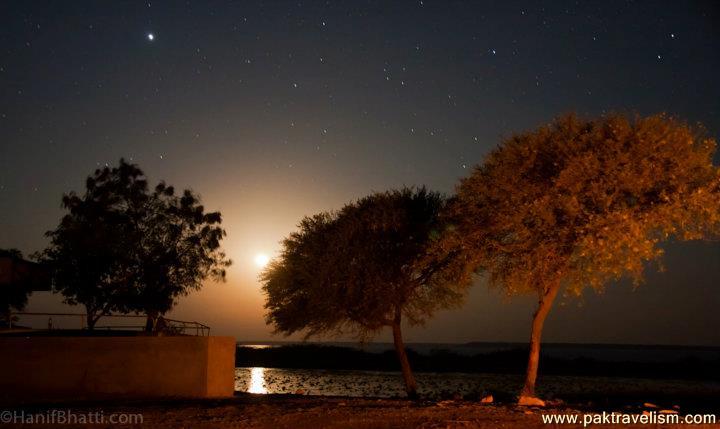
[581, 203]
[355, 271]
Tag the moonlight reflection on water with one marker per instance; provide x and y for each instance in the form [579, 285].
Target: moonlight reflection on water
[257, 381]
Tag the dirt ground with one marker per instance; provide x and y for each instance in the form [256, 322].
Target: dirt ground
[283, 411]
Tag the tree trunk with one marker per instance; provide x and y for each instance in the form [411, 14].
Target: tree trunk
[150, 322]
[91, 318]
[410, 385]
[544, 305]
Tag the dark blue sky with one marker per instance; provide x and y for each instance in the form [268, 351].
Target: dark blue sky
[275, 110]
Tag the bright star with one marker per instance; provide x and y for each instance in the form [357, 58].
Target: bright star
[151, 37]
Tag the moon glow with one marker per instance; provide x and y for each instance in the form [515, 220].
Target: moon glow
[261, 260]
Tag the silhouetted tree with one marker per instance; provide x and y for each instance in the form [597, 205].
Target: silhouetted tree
[123, 248]
[178, 247]
[91, 250]
[354, 271]
[581, 203]
[15, 292]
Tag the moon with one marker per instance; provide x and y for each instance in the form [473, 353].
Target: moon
[261, 260]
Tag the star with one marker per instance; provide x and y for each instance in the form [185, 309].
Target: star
[151, 37]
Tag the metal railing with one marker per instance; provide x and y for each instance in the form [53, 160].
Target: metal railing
[78, 321]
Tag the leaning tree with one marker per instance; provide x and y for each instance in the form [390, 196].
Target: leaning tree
[124, 248]
[582, 203]
[356, 271]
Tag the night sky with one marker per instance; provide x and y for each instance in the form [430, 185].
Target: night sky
[275, 110]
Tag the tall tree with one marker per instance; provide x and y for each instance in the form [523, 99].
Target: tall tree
[582, 203]
[124, 248]
[92, 248]
[356, 271]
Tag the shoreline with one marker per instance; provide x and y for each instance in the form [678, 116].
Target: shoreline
[294, 411]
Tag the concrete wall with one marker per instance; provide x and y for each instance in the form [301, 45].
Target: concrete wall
[55, 368]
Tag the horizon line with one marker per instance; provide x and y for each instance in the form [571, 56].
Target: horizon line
[471, 343]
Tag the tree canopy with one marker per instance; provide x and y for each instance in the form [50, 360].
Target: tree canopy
[581, 203]
[356, 271]
[586, 201]
[178, 246]
[124, 248]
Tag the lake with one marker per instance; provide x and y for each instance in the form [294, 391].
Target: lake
[387, 384]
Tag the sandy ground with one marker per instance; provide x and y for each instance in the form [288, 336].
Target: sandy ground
[283, 411]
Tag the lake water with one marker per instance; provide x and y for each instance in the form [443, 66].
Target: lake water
[384, 384]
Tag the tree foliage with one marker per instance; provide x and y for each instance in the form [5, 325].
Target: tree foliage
[178, 246]
[91, 249]
[582, 203]
[586, 202]
[124, 248]
[348, 271]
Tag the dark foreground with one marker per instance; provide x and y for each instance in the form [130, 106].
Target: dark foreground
[289, 411]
